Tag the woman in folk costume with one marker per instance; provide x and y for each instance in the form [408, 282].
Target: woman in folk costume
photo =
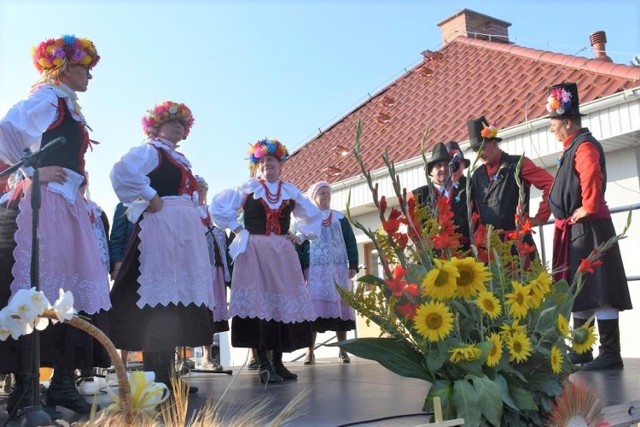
[217, 242]
[270, 304]
[333, 258]
[162, 297]
[69, 255]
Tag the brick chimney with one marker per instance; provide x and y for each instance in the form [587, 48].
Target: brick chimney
[598, 42]
[468, 23]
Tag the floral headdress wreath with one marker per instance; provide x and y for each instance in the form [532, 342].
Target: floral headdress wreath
[559, 100]
[51, 56]
[164, 112]
[266, 147]
[488, 131]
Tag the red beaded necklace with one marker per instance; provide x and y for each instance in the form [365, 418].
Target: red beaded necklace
[272, 198]
[327, 222]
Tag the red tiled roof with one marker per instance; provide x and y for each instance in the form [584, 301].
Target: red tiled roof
[465, 79]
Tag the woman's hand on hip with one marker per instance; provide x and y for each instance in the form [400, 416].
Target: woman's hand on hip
[155, 204]
[52, 174]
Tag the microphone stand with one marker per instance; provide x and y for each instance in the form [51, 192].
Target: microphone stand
[34, 415]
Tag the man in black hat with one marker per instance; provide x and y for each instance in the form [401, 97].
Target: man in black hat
[440, 168]
[583, 222]
[494, 191]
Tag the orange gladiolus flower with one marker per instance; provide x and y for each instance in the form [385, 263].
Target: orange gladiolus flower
[587, 266]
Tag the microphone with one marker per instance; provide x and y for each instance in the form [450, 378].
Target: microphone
[454, 163]
[455, 158]
[53, 144]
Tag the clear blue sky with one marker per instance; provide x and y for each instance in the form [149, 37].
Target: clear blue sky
[254, 69]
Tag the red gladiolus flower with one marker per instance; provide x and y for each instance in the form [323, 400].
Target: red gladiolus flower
[480, 236]
[383, 204]
[397, 284]
[408, 311]
[525, 248]
[401, 240]
[445, 240]
[393, 223]
[512, 235]
[525, 227]
[475, 218]
[412, 290]
[587, 266]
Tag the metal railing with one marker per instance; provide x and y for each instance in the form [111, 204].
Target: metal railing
[543, 254]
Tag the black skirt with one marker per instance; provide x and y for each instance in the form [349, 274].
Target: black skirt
[270, 335]
[152, 328]
[322, 324]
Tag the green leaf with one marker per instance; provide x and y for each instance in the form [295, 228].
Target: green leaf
[501, 382]
[397, 356]
[442, 389]
[523, 398]
[437, 358]
[370, 279]
[467, 403]
[491, 401]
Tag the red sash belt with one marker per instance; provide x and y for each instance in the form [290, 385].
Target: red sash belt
[562, 239]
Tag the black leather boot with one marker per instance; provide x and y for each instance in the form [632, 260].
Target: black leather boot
[609, 351]
[21, 394]
[162, 364]
[266, 372]
[575, 358]
[63, 392]
[279, 367]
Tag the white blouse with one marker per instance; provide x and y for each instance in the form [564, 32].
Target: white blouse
[23, 125]
[129, 175]
[225, 206]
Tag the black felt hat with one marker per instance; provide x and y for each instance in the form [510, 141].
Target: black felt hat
[439, 153]
[563, 101]
[453, 146]
[475, 128]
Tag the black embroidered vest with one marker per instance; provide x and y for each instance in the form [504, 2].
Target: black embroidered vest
[496, 199]
[255, 215]
[566, 193]
[166, 178]
[69, 155]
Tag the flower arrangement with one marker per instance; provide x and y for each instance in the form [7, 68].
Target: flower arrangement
[484, 324]
[266, 147]
[166, 111]
[488, 132]
[559, 101]
[52, 54]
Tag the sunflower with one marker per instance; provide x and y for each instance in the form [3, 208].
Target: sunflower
[519, 347]
[544, 280]
[518, 300]
[556, 359]
[508, 331]
[489, 304]
[472, 276]
[536, 294]
[465, 353]
[563, 326]
[440, 282]
[433, 321]
[583, 339]
[496, 351]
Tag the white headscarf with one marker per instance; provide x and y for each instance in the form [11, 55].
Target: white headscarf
[313, 190]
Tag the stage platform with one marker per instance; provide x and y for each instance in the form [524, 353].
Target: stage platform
[362, 393]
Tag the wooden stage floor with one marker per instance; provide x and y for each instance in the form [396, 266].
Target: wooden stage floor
[359, 393]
